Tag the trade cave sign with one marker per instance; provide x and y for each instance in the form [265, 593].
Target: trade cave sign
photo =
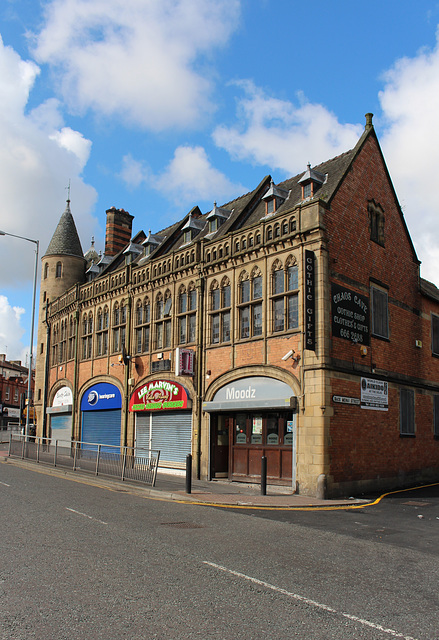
[159, 395]
[350, 315]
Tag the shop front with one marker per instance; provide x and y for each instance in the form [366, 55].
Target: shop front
[60, 414]
[163, 420]
[101, 413]
[251, 418]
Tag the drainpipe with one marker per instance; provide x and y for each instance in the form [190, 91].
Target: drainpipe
[46, 371]
[200, 365]
[127, 367]
[75, 378]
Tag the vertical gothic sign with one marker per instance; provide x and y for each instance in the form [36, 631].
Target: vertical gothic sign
[310, 312]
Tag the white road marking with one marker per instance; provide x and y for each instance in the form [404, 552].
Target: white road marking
[313, 603]
[4, 483]
[86, 516]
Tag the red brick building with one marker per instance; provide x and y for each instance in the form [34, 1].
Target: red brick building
[13, 393]
[290, 323]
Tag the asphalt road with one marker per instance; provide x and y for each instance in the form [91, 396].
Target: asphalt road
[79, 561]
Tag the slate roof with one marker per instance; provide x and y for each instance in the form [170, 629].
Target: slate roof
[65, 240]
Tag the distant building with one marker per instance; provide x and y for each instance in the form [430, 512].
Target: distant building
[290, 323]
[13, 394]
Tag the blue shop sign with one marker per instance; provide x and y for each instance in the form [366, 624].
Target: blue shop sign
[101, 396]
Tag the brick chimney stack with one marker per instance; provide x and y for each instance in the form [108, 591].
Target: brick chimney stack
[118, 230]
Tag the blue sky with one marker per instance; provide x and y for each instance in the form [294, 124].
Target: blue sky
[155, 106]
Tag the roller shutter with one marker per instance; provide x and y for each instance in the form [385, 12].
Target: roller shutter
[61, 426]
[171, 434]
[101, 427]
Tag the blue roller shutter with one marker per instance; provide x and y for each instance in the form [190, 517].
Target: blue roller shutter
[101, 427]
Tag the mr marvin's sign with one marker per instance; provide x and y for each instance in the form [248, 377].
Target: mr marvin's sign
[159, 395]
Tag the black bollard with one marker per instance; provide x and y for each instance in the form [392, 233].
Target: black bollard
[189, 473]
[263, 476]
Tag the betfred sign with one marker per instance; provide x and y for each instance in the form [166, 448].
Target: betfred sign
[159, 395]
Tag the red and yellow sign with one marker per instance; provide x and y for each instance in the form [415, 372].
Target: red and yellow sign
[159, 395]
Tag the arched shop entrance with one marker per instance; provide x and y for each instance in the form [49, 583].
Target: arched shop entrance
[60, 414]
[163, 420]
[101, 412]
[250, 418]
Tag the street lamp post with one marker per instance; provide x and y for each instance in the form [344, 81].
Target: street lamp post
[29, 381]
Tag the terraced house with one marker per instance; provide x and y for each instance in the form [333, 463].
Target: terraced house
[290, 323]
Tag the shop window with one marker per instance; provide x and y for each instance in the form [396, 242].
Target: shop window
[267, 429]
[285, 298]
[407, 412]
[250, 307]
[435, 335]
[220, 304]
[187, 306]
[380, 312]
[142, 326]
[163, 322]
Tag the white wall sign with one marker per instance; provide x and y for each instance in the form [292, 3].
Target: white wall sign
[374, 394]
[62, 396]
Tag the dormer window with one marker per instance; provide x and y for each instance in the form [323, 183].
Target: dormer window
[151, 243]
[192, 228]
[274, 198]
[131, 252]
[217, 217]
[311, 181]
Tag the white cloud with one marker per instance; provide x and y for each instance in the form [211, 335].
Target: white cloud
[133, 172]
[283, 135]
[11, 332]
[38, 156]
[189, 178]
[410, 103]
[143, 60]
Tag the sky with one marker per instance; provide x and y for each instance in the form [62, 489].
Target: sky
[156, 106]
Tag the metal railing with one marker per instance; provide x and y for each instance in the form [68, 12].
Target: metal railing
[125, 463]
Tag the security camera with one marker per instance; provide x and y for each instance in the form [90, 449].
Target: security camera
[290, 354]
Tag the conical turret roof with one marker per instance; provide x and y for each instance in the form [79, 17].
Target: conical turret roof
[65, 240]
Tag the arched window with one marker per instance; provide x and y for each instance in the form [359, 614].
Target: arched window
[46, 270]
[187, 307]
[250, 304]
[58, 272]
[220, 310]
[285, 296]
[142, 325]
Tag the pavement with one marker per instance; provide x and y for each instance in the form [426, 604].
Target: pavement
[215, 492]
